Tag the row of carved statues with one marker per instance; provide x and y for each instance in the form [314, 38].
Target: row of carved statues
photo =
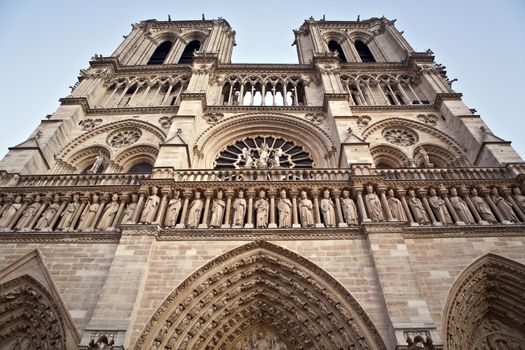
[261, 209]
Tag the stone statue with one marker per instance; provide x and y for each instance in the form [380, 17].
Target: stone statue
[48, 215]
[327, 209]
[68, 215]
[439, 207]
[150, 208]
[130, 210]
[396, 207]
[28, 214]
[426, 159]
[285, 210]
[461, 208]
[519, 197]
[11, 212]
[504, 207]
[217, 211]
[174, 206]
[239, 210]
[264, 155]
[108, 215]
[195, 210]
[373, 204]
[349, 209]
[89, 214]
[305, 211]
[248, 158]
[482, 207]
[276, 160]
[98, 162]
[419, 212]
[261, 208]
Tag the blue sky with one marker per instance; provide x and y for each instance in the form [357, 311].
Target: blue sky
[44, 44]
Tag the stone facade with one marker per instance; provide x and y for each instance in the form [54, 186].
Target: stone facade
[178, 201]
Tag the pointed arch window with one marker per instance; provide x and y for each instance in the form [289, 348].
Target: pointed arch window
[160, 53]
[364, 52]
[334, 46]
[187, 54]
[140, 168]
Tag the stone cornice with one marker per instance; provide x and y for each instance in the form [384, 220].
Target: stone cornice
[73, 189]
[268, 109]
[446, 96]
[455, 231]
[82, 101]
[407, 108]
[60, 237]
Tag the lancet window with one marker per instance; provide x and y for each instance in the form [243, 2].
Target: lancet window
[143, 92]
[160, 53]
[187, 54]
[263, 91]
[364, 52]
[263, 152]
[383, 90]
[334, 46]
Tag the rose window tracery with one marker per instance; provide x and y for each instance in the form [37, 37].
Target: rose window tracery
[123, 138]
[400, 136]
[263, 152]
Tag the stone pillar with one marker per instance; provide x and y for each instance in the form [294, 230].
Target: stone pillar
[464, 193]
[317, 212]
[384, 203]
[103, 200]
[340, 219]
[159, 219]
[249, 220]
[272, 224]
[140, 205]
[186, 195]
[295, 212]
[495, 209]
[229, 196]
[517, 209]
[423, 194]
[204, 222]
[26, 200]
[83, 202]
[57, 215]
[121, 206]
[45, 203]
[361, 205]
[451, 210]
[401, 194]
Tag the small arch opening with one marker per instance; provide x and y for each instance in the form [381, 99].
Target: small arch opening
[334, 46]
[142, 167]
[364, 52]
[187, 54]
[160, 53]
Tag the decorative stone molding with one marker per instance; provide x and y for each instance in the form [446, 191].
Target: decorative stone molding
[429, 119]
[123, 138]
[400, 136]
[89, 124]
[363, 121]
[166, 122]
[315, 118]
[212, 118]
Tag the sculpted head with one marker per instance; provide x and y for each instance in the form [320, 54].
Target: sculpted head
[219, 194]
[76, 197]
[240, 194]
[262, 194]
[197, 195]
[369, 189]
[516, 190]
[432, 191]
[494, 191]
[283, 194]
[176, 194]
[37, 198]
[390, 193]
[18, 199]
[474, 192]
[154, 190]
[304, 195]
[346, 194]
[453, 191]
[326, 193]
[95, 198]
[411, 193]
[134, 198]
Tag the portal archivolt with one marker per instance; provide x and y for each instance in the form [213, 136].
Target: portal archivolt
[260, 293]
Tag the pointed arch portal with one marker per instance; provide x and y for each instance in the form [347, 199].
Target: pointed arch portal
[485, 308]
[260, 293]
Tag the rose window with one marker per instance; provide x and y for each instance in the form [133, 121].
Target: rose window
[123, 138]
[400, 137]
[263, 153]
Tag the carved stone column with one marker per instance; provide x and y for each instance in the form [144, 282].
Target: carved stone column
[401, 194]
[140, 206]
[451, 210]
[83, 202]
[465, 195]
[186, 195]
[229, 196]
[384, 203]
[295, 212]
[159, 219]
[340, 219]
[204, 222]
[317, 212]
[249, 217]
[495, 210]
[45, 203]
[27, 200]
[423, 194]
[507, 195]
[361, 204]
[121, 206]
[103, 201]
[271, 194]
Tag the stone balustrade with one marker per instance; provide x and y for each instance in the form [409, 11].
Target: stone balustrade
[411, 174]
[79, 180]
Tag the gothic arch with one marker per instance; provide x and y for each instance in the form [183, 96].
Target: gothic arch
[260, 283]
[137, 154]
[389, 155]
[485, 308]
[319, 144]
[439, 156]
[85, 157]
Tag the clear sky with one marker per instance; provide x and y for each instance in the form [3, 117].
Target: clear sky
[44, 44]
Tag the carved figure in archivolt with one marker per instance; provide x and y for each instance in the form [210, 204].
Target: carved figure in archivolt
[482, 207]
[217, 210]
[519, 197]
[439, 207]
[373, 204]
[504, 207]
[328, 209]
[285, 210]
[130, 209]
[11, 212]
[68, 215]
[239, 210]
[108, 216]
[306, 210]
[461, 208]
[349, 209]
[415, 204]
[89, 213]
[150, 208]
[261, 209]
[29, 214]
[195, 210]
[174, 206]
[396, 207]
[48, 215]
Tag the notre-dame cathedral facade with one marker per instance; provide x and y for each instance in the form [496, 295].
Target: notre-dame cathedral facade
[177, 201]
